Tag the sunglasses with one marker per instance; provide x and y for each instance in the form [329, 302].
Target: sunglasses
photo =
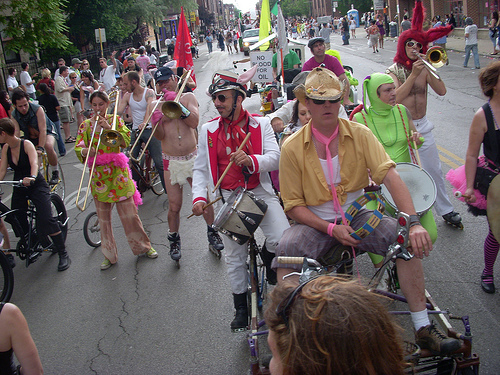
[321, 102]
[221, 97]
[85, 63]
[283, 309]
[411, 44]
[72, 77]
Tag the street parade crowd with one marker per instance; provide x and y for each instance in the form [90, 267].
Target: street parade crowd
[308, 162]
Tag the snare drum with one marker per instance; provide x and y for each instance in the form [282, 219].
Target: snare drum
[420, 184]
[240, 216]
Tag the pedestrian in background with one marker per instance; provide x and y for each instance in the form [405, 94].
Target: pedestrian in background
[493, 31]
[210, 41]
[471, 43]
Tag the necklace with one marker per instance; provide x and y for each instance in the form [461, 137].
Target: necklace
[386, 145]
[494, 119]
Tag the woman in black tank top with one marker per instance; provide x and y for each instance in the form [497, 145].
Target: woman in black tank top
[15, 338]
[22, 157]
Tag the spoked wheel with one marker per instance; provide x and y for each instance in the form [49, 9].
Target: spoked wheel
[92, 230]
[155, 180]
[6, 279]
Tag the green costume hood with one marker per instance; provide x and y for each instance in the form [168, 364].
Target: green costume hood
[370, 86]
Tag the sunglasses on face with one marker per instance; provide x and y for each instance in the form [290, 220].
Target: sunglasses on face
[321, 102]
[410, 44]
[72, 77]
[221, 97]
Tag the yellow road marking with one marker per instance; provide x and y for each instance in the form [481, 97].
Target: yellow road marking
[451, 154]
[444, 159]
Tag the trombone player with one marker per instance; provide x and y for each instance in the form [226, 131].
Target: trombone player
[412, 78]
[177, 133]
[110, 179]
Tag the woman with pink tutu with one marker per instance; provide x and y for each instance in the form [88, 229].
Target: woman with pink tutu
[473, 180]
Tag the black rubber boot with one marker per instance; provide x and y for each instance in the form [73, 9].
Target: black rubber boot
[240, 321]
[64, 261]
[267, 258]
[175, 245]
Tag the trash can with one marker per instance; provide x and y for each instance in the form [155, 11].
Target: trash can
[393, 27]
[200, 37]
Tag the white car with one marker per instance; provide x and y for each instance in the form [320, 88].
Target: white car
[250, 36]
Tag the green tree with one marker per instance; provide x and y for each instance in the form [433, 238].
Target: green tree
[122, 19]
[293, 8]
[34, 24]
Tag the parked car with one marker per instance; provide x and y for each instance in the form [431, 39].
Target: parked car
[250, 36]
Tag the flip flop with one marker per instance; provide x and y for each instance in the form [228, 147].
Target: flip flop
[70, 139]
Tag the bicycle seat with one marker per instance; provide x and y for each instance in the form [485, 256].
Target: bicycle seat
[338, 256]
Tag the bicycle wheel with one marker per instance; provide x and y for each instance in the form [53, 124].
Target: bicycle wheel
[155, 180]
[91, 230]
[6, 279]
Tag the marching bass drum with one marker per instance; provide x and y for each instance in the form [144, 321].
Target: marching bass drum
[420, 184]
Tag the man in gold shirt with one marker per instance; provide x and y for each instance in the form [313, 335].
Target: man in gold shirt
[327, 152]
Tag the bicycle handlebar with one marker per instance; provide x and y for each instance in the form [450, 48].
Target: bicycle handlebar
[15, 183]
[290, 260]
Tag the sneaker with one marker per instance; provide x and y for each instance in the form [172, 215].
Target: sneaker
[55, 178]
[152, 254]
[432, 339]
[487, 283]
[106, 264]
[453, 218]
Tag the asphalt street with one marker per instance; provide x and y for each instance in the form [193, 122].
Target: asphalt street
[147, 316]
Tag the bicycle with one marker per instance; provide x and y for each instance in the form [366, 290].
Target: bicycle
[30, 245]
[59, 187]
[461, 362]
[146, 174]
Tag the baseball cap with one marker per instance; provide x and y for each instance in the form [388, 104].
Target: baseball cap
[163, 74]
[76, 60]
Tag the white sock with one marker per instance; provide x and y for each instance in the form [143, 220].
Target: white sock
[54, 167]
[420, 319]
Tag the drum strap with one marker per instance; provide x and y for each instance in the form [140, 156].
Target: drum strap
[410, 149]
[490, 121]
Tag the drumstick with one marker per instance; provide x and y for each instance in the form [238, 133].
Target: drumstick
[460, 195]
[231, 163]
[416, 152]
[208, 205]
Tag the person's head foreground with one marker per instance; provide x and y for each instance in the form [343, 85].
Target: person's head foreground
[331, 326]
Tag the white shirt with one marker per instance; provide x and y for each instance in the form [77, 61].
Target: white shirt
[25, 79]
[12, 82]
[107, 76]
[472, 31]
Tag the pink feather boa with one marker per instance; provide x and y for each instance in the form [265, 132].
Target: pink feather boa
[120, 160]
[456, 177]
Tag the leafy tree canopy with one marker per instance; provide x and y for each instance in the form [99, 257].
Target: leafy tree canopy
[34, 24]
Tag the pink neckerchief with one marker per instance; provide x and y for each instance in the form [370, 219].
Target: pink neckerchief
[326, 141]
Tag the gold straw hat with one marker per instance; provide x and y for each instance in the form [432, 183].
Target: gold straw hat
[320, 84]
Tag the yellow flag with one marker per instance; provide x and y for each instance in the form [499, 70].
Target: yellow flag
[265, 24]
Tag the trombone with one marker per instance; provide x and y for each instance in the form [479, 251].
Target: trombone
[112, 137]
[435, 58]
[171, 109]
[82, 208]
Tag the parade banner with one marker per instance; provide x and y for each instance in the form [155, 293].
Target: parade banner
[265, 24]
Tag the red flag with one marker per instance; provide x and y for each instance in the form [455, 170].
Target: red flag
[183, 43]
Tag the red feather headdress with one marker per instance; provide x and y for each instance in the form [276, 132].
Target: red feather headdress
[417, 33]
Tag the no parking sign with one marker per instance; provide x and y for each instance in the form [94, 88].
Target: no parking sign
[263, 60]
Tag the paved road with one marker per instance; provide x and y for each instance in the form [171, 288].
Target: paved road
[146, 316]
